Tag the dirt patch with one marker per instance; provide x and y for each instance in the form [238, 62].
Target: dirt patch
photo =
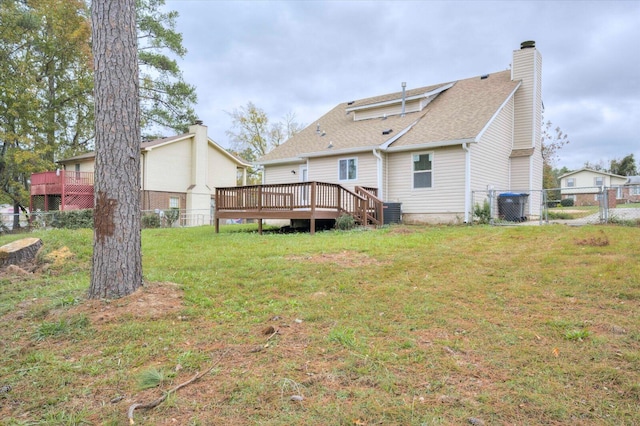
[345, 258]
[402, 230]
[153, 300]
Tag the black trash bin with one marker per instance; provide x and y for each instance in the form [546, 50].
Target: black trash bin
[511, 206]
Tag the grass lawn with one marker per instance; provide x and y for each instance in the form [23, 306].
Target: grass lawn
[396, 326]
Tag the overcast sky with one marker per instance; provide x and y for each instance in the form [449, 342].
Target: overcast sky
[306, 57]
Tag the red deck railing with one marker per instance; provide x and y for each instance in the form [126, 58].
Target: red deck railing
[62, 190]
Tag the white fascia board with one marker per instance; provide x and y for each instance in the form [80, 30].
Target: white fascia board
[430, 145]
[493, 117]
[183, 137]
[399, 100]
[228, 154]
[332, 152]
[280, 161]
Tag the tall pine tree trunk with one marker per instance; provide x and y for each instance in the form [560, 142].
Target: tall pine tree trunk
[117, 261]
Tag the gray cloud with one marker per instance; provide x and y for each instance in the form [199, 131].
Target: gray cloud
[306, 57]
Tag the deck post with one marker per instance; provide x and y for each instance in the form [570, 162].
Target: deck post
[260, 226]
[312, 220]
[63, 190]
[217, 223]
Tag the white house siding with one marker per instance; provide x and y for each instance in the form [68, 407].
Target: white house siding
[276, 174]
[585, 181]
[168, 167]
[490, 156]
[325, 169]
[444, 201]
[222, 170]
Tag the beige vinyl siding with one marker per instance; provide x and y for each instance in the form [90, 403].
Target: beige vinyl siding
[525, 63]
[168, 168]
[222, 170]
[85, 166]
[325, 169]
[490, 156]
[520, 172]
[447, 192]
[276, 174]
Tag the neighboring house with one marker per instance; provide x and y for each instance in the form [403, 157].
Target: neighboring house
[585, 186]
[179, 172]
[631, 189]
[428, 148]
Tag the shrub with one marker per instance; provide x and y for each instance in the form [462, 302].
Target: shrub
[171, 216]
[566, 202]
[150, 220]
[482, 213]
[73, 219]
[345, 222]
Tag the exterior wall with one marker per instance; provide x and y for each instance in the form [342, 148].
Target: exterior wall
[446, 197]
[152, 200]
[168, 168]
[282, 174]
[585, 180]
[325, 169]
[527, 175]
[85, 166]
[222, 170]
[490, 164]
[527, 66]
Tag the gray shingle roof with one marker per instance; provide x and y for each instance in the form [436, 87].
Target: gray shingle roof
[458, 113]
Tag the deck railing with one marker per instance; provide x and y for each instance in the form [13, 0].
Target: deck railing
[271, 201]
[62, 177]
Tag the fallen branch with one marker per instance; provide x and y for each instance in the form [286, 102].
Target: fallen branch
[159, 401]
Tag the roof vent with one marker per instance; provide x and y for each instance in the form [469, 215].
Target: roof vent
[484, 77]
[351, 102]
[199, 122]
[386, 132]
[527, 44]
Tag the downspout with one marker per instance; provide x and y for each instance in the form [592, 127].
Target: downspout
[379, 164]
[467, 181]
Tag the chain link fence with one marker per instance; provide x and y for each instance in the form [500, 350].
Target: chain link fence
[168, 218]
[571, 206]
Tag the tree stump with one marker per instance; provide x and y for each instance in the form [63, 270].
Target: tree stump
[18, 252]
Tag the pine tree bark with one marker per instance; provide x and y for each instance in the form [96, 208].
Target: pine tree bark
[117, 261]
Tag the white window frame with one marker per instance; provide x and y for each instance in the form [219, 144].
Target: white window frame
[414, 172]
[595, 181]
[171, 202]
[347, 177]
[571, 182]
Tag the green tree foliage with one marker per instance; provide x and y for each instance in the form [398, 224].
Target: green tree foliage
[253, 135]
[624, 167]
[166, 101]
[46, 84]
[553, 139]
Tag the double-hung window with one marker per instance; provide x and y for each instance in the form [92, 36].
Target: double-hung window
[598, 181]
[571, 182]
[422, 170]
[348, 169]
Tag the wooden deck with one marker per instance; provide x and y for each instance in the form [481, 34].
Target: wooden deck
[69, 189]
[304, 200]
